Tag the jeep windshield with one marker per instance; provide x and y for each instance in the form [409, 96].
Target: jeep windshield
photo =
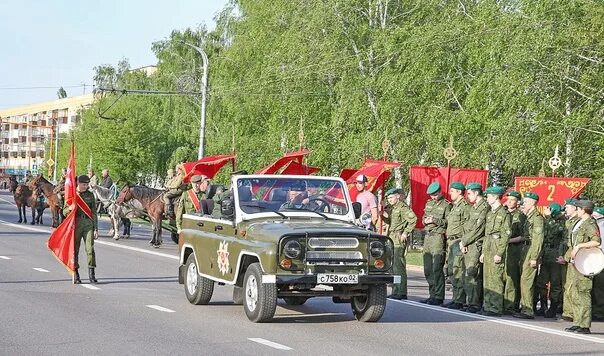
[284, 195]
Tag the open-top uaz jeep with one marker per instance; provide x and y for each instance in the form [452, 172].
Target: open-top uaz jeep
[289, 237]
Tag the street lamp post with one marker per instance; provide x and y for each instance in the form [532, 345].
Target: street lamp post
[204, 89]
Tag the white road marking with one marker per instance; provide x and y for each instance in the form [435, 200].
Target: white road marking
[41, 270]
[503, 321]
[8, 201]
[274, 345]
[157, 307]
[4, 257]
[174, 257]
[23, 227]
[90, 286]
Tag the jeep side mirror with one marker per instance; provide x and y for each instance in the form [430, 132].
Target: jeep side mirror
[227, 208]
[356, 207]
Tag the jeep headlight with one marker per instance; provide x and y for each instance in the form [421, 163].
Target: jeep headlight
[376, 248]
[292, 249]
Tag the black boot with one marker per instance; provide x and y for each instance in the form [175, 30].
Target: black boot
[91, 275]
[551, 312]
[76, 277]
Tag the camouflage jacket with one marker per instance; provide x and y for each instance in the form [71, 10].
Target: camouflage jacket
[438, 210]
[498, 230]
[473, 227]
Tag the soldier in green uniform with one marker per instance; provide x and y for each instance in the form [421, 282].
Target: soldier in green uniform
[455, 221]
[585, 234]
[570, 211]
[86, 228]
[435, 222]
[597, 295]
[498, 229]
[174, 188]
[471, 246]
[401, 221]
[513, 255]
[191, 200]
[533, 242]
[549, 272]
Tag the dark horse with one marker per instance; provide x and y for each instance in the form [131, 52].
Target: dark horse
[53, 199]
[151, 201]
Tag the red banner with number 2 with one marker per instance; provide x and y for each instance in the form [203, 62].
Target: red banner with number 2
[552, 190]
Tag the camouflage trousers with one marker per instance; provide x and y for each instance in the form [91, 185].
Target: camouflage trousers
[434, 259]
[549, 272]
[455, 267]
[85, 231]
[400, 269]
[494, 283]
[513, 269]
[472, 277]
[580, 298]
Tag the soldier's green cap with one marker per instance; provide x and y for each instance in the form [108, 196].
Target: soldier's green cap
[495, 190]
[584, 203]
[599, 210]
[570, 201]
[458, 186]
[514, 194]
[531, 195]
[83, 179]
[393, 191]
[433, 188]
[555, 208]
[475, 186]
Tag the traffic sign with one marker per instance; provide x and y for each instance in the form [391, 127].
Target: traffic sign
[50, 162]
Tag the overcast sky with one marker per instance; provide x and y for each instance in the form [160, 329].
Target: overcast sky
[59, 42]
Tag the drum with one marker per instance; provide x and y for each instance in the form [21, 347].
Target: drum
[589, 261]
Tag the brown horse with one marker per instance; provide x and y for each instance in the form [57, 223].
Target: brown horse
[53, 199]
[151, 201]
[24, 198]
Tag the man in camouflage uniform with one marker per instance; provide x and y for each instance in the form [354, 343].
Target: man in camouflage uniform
[513, 255]
[585, 234]
[498, 229]
[435, 222]
[533, 242]
[174, 188]
[86, 228]
[597, 295]
[401, 221]
[570, 210]
[549, 272]
[455, 220]
[191, 200]
[471, 246]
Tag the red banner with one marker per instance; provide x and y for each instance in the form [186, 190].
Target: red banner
[208, 166]
[377, 173]
[421, 177]
[551, 190]
[288, 158]
[299, 169]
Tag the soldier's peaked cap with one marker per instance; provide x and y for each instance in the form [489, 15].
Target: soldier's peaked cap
[393, 191]
[198, 178]
[584, 203]
[514, 194]
[531, 195]
[433, 188]
[495, 190]
[83, 179]
[475, 186]
[458, 186]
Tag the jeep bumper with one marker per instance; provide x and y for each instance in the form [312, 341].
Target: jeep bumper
[312, 279]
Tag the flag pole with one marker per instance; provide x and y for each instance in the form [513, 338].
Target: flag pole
[450, 154]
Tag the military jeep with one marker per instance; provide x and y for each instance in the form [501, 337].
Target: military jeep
[287, 237]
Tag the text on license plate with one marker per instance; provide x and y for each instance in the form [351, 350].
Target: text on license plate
[337, 278]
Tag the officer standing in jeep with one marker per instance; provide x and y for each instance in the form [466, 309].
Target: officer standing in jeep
[401, 221]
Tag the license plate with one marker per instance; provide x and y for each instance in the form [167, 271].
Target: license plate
[337, 278]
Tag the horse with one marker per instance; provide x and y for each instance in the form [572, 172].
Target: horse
[118, 214]
[24, 197]
[54, 201]
[151, 201]
[12, 184]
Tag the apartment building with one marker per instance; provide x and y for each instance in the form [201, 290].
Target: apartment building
[26, 132]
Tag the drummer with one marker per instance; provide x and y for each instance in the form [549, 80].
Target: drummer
[585, 234]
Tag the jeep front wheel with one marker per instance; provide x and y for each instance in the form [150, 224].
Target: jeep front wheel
[198, 289]
[371, 307]
[260, 300]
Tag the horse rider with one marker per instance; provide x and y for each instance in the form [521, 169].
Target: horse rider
[93, 178]
[106, 180]
[191, 201]
[28, 177]
[174, 188]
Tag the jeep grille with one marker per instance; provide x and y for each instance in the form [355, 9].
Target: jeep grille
[335, 256]
[333, 242]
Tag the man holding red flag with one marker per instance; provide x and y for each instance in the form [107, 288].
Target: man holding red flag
[80, 222]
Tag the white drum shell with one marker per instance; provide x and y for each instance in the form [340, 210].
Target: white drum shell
[589, 261]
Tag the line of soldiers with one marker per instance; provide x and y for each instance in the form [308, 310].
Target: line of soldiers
[502, 259]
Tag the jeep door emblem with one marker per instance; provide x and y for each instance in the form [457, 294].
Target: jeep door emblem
[223, 257]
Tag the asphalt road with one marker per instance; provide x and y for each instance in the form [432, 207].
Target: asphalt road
[138, 307]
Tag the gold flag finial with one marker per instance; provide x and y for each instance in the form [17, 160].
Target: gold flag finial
[555, 162]
[449, 152]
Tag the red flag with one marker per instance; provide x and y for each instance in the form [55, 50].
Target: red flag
[377, 173]
[299, 169]
[208, 166]
[274, 167]
[553, 189]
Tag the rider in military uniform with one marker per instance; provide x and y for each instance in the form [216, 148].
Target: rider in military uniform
[86, 228]
[191, 200]
[455, 220]
[498, 230]
[471, 246]
[435, 222]
[401, 221]
[585, 234]
[533, 242]
[513, 256]
[549, 272]
[174, 188]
